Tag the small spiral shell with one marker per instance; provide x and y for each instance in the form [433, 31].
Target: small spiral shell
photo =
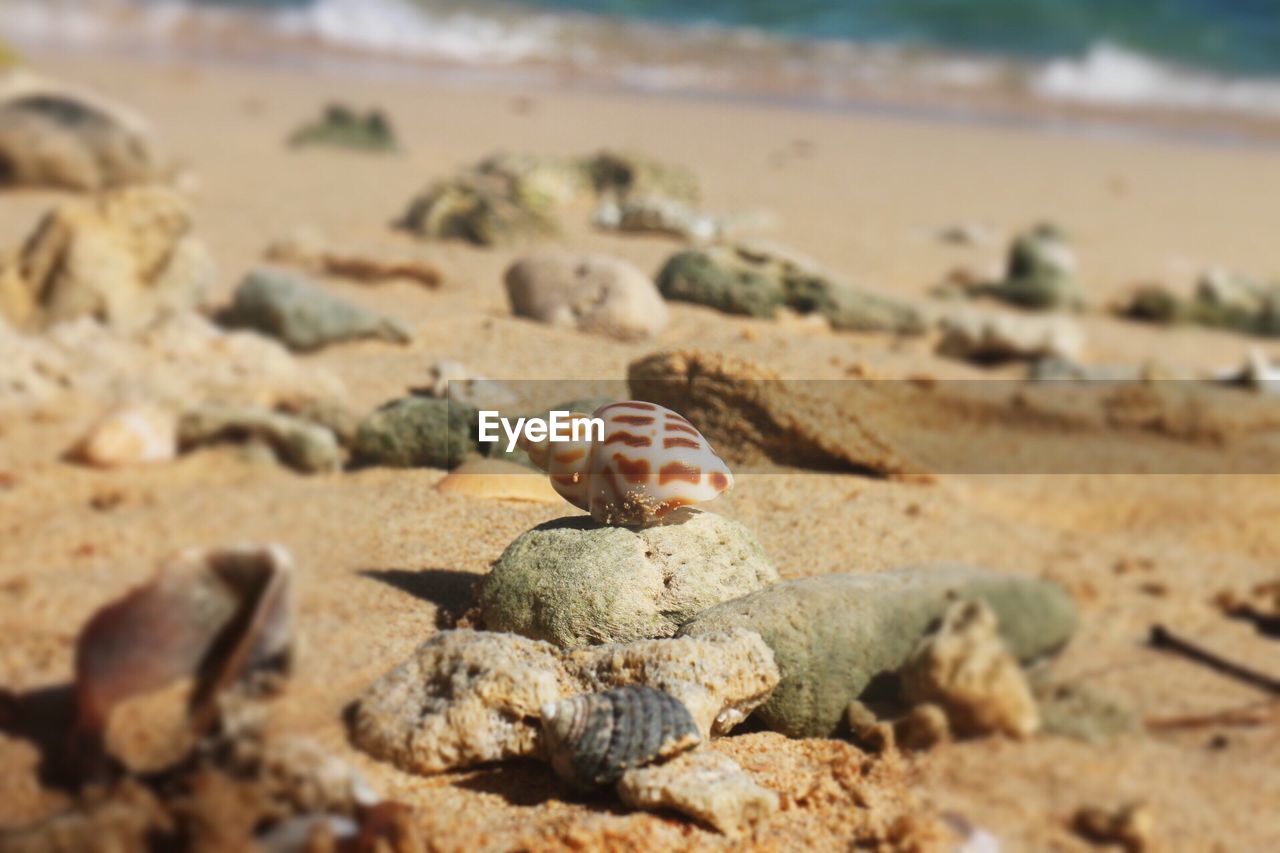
[593, 738]
[650, 461]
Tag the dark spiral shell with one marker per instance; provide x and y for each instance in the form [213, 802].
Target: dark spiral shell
[593, 738]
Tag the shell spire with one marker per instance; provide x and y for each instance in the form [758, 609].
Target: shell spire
[649, 462]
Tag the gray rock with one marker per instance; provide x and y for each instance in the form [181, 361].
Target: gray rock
[300, 444]
[303, 316]
[415, 432]
[989, 337]
[574, 582]
[833, 634]
[591, 293]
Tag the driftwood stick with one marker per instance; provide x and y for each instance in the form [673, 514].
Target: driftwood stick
[1256, 714]
[1165, 640]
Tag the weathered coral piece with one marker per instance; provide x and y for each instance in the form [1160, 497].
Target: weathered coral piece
[965, 668]
[125, 257]
[468, 697]
[575, 583]
[302, 445]
[592, 293]
[833, 634]
[648, 461]
[302, 315]
[315, 253]
[222, 617]
[54, 135]
[132, 435]
[593, 738]
[705, 785]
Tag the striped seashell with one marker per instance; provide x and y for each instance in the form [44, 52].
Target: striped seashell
[593, 738]
[650, 462]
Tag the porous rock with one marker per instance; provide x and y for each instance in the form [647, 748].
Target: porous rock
[965, 668]
[703, 784]
[995, 337]
[591, 293]
[125, 257]
[302, 445]
[302, 315]
[832, 635]
[415, 432]
[180, 362]
[467, 697]
[131, 435]
[574, 582]
[54, 135]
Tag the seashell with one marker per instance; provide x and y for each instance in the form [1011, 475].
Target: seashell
[594, 738]
[651, 461]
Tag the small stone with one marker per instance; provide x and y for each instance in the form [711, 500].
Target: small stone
[454, 381]
[996, 337]
[304, 446]
[133, 435]
[1041, 273]
[415, 432]
[1131, 826]
[833, 634]
[479, 207]
[497, 479]
[125, 257]
[303, 316]
[659, 215]
[328, 413]
[52, 135]
[705, 785]
[342, 127]
[625, 174]
[591, 293]
[867, 730]
[922, 728]
[574, 582]
[850, 310]
[316, 254]
[707, 277]
[965, 668]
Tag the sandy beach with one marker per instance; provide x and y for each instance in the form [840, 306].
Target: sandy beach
[381, 555]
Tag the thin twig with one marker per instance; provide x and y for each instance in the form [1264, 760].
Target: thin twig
[1165, 640]
[1253, 714]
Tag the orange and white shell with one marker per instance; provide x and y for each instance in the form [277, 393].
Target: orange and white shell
[650, 461]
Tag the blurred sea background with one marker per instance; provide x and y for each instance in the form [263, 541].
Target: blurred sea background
[1184, 57]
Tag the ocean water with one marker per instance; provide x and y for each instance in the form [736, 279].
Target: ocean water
[1183, 55]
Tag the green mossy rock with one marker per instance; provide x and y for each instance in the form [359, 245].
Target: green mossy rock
[574, 583]
[851, 310]
[416, 432]
[834, 635]
[342, 127]
[705, 279]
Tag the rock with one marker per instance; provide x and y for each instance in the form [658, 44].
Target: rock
[710, 277]
[469, 697]
[851, 310]
[537, 182]
[964, 668]
[303, 316]
[126, 257]
[1041, 273]
[704, 785]
[1257, 374]
[833, 634]
[992, 338]
[415, 432]
[483, 208]
[178, 363]
[53, 135]
[747, 414]
[591, 293]
[660, 215]
[1221, 300]
[923, 727]
[342, 127]
[328, 413]
[574, 582]
[133, 435]
[455, 381]
[314, 253]
[1131, 826]
[304, 446]
[720, 677]
[629, 175]
[497, 479]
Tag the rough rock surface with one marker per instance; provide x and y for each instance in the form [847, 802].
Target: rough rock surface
[131, 435]
[995, 337]
[302, 315]
[415, 432]
[467, 697]
[706, 785]
[179, 363]
[574, 582]
[965, 668]
[125, 257]
[591, 293]
[54, 135]
[833, 634]
[302, 445]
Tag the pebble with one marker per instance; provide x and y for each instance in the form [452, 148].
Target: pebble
[592, 293]
[415, 432]
[132, 435]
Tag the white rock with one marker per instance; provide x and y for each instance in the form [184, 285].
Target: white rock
[592, 293]
[132, 435]
[1001, 336]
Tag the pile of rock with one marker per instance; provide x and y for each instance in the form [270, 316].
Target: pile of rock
[1221, 300]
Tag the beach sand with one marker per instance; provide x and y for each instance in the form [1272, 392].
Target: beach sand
[380, 553]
